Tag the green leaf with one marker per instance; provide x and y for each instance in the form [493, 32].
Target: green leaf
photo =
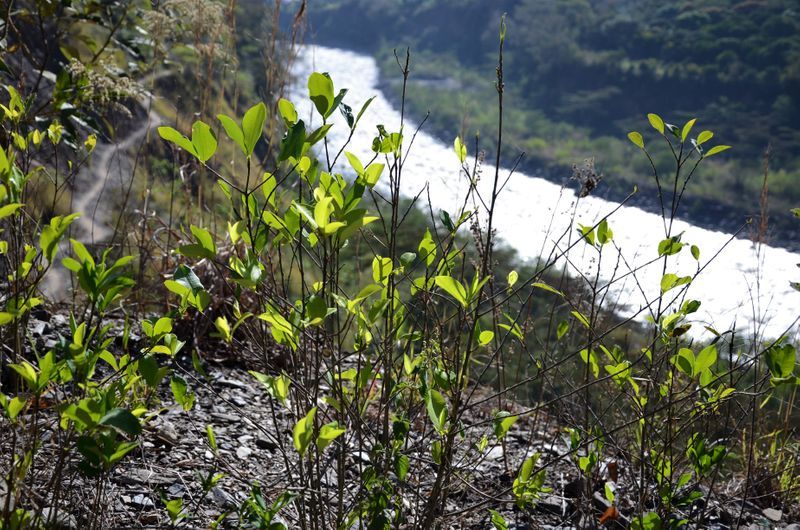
[355, 163]
[186, 277]
[695, 252]
[454, 288]
[497, 520]
[205, 239]
[122, 420]
[287, 111]
[684, 361]
[781, 360]
[563, 327]
[180, 391]
[636, 139]
[485, 337]
[587, 232]
[546, 287]
[292, 144]
[687, 129]
[650, 521]
[656, 122]
[203, 140]
[381, 269]
[303, 432]
[14, 406]
[437, 410]
[401, 466]
[704, 136]
[253, 126]
[581, 318]
[705, 359]
[513, 276]
[9, 209]
[316, 310]
[604, 233]
[171, 135]
[233, 131]
[174, 508]
[461, 149]
[670, 281]
[372, 174]
[212, 440]
[716, 149]
[151, 373]
[427, 249]
[670, 246]
[328, 433]
[320, 90]
[436, 452]
[5, 166]
[502, 422]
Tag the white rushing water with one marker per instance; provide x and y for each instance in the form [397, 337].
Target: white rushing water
[532, 215]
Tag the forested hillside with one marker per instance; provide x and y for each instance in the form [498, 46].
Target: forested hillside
[581, 73]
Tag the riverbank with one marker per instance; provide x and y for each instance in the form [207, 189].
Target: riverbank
[535, 215]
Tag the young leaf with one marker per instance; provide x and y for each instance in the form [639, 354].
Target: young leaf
[497, 520]
[461, 149]
[122, 420]
[381, 269]
[502, 422]
[212, 440]
[287, 111]
[636, 139]
[716, 149]
[181, 392]
[687, 129]
[705, 359]
[513, 276]
[171, 135]
[233, 131]
[604, 233]
[427, 249]
[781, 360]
[563, 327]
[327, 434]
[656, 122]
[303, 432]
[485, 337]
[454, 288]
[437, 410]
[320, 90]
[203, 140]
[253, 126]
[704, 136]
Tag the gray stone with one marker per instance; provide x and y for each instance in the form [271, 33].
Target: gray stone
[58, 519]
[177, 490]
[233, 383]
[222, 498]
[772, 514]
[243, 452]
[495, 453]
[142, 501]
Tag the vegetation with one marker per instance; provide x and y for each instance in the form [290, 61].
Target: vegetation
[580, 74]
[397, 352]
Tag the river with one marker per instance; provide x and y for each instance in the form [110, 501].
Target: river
[739, 285]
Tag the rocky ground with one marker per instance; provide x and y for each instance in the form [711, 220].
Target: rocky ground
[174, 458]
